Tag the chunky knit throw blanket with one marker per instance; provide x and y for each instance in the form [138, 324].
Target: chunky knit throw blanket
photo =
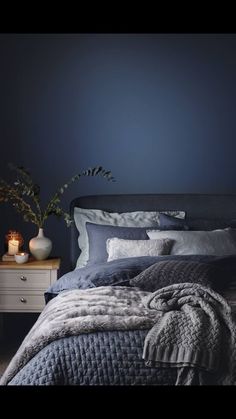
[195, 333]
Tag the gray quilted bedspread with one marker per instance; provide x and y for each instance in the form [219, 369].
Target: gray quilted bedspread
[81, 313]
[100, 358]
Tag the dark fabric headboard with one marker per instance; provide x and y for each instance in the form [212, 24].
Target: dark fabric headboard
[198, 207]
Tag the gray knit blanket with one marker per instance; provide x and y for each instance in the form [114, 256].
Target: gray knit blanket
[83, 311]
[196, 333]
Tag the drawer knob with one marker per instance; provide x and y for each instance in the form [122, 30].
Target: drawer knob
[23, 300]
[23, 278]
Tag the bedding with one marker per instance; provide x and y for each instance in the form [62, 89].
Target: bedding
[168, 272]
[121, 271]
[209, 224]
[96, 323]
[216, 242]
[109, 323]
[110, 358]
[98, 234]
[81, 329]
[125, 219]
[82, 311]
[120, 248]
[196, 330]
[167, 222]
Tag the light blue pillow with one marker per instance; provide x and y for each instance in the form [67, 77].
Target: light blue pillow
[215, 242]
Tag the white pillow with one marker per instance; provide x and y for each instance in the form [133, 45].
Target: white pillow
[125, 219]
[215, 242]
[121, 248]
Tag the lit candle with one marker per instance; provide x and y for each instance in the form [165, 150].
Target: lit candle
[21, 257]
[13, 246]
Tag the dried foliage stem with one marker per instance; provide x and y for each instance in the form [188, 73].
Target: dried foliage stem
[24, 188]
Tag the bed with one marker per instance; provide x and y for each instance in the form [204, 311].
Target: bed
[118, 317]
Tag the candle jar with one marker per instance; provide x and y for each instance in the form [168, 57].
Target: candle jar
[14, 241]
[21, 257]
[13, 246]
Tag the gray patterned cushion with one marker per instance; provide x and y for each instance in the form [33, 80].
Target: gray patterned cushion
[164, 273]
[121, 248]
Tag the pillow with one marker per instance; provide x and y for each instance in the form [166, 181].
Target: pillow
[216, 242]
[98, 235]
[167, 222]
[125, 219]
[117, 272]
[120, 248]
[120, 271]
[168, 272]
[209, 224]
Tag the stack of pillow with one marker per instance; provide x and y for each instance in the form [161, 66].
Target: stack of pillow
[105, 236]
[151, 250]
[97, 228]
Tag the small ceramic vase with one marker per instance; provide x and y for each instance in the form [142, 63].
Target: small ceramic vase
[40, 246]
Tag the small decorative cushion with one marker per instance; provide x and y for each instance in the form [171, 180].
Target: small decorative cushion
[216, 242]
[120, 248]
[167, 222]
[125, 219]
[168, 272]
[99, 233]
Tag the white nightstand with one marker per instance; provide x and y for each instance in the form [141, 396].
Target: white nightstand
[22, 286]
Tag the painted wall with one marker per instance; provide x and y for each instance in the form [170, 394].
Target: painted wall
[156, 109]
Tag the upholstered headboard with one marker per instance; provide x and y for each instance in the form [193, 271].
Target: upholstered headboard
[219, 209]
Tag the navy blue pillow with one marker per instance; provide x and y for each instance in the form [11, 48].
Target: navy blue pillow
[99, 233]
[171, 223]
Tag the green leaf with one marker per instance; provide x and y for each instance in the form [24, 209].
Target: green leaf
[24, 194]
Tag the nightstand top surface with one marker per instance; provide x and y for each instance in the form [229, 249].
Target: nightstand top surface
[53, 263]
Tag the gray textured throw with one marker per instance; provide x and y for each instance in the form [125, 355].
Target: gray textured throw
[83, 311]
[196, 330]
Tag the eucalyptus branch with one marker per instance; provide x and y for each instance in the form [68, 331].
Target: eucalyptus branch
[22, 172]
[25, 187]
[89, 172]
[25, 182]
[8, 193]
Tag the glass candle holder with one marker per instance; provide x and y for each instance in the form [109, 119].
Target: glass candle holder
[13, 246]
[14, 241]
[21, 257]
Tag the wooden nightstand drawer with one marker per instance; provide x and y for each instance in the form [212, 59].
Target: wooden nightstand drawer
[24, 279]
[25, 301]
[22, 287]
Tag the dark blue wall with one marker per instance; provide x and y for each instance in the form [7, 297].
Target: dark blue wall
[158, 110]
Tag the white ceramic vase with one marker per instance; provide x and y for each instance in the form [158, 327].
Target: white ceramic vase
[40, 246]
